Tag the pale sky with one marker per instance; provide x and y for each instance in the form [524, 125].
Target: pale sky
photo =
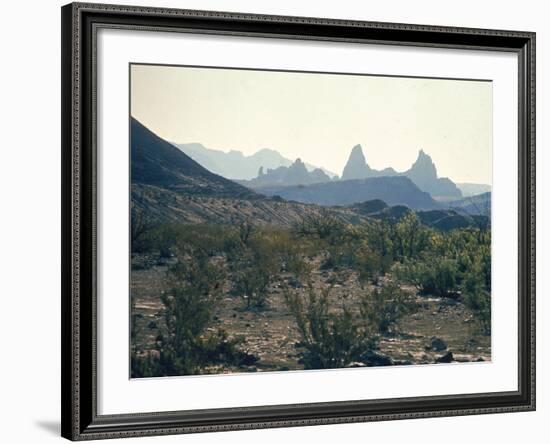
[320, 117]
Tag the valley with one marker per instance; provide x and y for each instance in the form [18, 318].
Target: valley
[296, 269]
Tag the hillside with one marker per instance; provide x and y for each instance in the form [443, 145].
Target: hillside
[473, 205]
[443, 220]
[473, 189]
[159, 163]
[164, 206]
[396, 190]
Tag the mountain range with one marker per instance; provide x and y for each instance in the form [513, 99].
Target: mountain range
[169, 185]
[157, 162]
[237, 166]
[423, 173]
[268, 168]
[295, 174]
[443, 220]
[394, 190]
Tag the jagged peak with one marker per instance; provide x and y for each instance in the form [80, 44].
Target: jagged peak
[423, 155]
[356, 166]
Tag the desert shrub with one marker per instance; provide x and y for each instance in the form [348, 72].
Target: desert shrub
[208, 239]
[383, 307]
[331, 340]
[184, 346]
[253, 270]
[431, 275]
[164, 238]
[410, 237]
[378, 235]
[289, 251]
[339, 255]
[371, 264]
[476, 289]
[323, 225]
[141, 226]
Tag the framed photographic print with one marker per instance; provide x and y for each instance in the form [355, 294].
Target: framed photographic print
[279, 221]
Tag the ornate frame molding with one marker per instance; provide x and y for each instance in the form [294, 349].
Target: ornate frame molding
[80, 22]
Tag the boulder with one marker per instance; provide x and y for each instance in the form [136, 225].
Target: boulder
[373, 359]
[445, 359]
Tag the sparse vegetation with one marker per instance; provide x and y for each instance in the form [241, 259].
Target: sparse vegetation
[383, 307]
[330, 339]
[385, 261]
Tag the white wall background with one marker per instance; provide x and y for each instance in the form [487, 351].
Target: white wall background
[30, 220]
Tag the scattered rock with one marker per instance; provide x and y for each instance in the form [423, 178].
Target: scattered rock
[437, 344]
[374, 359]
[445, 359]
[248, 359]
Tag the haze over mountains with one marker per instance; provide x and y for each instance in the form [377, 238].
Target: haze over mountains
[423, 173]
[394, 190]
[169, 185]
[234, 164]
[269, 169]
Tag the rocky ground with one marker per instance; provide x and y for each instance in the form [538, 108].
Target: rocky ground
[442, 330]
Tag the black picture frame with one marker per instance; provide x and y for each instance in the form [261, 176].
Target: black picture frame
[80, 22]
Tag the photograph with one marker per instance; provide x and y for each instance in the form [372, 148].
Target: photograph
[294, 220]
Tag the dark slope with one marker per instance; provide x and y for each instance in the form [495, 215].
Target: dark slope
[159, 163]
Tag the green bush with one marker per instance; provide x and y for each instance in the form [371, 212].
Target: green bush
[331, 340]
[371, 265]
[477, 297]
[323, 225]
[432, 275]
[184, 346]
[410, 237]
[253, 270]
[383, 307]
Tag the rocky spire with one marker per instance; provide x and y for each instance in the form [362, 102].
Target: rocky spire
[423, 169]
[357, 167]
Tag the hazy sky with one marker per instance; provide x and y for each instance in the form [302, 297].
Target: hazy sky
[320, 117]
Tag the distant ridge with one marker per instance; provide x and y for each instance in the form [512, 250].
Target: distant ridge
[235, 165]
[397, 190]
[423, 173]
[295, 174]
[159, 163]
[472, 189]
